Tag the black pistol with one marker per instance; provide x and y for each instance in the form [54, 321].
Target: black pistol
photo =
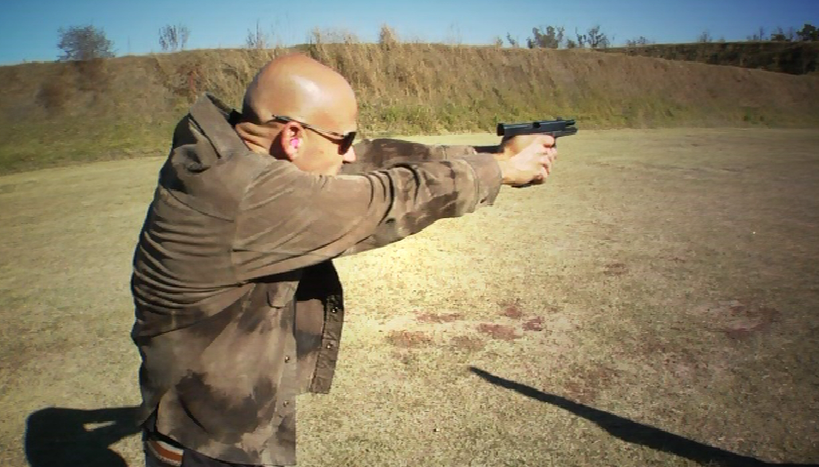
[553, 128]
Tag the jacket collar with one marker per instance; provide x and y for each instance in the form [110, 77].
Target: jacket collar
[216, 119]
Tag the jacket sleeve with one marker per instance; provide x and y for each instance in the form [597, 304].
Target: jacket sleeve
[289, 219]
[383, 153]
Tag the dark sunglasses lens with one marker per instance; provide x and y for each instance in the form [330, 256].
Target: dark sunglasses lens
[347, 142]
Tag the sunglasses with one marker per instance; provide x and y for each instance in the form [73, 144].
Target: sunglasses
[344, 140]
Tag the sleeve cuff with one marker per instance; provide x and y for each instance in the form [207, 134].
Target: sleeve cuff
[488, 176]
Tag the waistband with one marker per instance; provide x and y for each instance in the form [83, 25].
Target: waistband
[164, 451]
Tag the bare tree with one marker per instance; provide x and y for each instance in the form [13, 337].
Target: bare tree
[705, 36]
[596, 38]
[582, 40]
[173, 37]
[257, 39]
[497, 42]
[638, 42]
[513, 42]
[84, 43]
[547, 37]
[780, 35]
[758, 36]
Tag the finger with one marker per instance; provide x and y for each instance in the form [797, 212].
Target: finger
[548, 140]
[545, 165]
[540, 173]
[547, 161]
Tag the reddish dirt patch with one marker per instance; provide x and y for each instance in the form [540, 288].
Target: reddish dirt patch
[499, 331]
[551, 309]
[615, 269]
[587, 383]
[534, 324]
[751, 321]
[467, 343]
[439, 317]
[511, 309]
[408, 339]
[684, 363]
[738, 319]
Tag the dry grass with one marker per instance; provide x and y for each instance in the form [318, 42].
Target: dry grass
[127, 107]
[662, 288]
[796, 58]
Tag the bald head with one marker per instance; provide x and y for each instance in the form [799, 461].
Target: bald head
[315, 98]
[302, 88]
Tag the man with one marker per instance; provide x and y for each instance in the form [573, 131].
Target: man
[238, 305]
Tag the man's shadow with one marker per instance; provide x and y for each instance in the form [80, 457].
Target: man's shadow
[58, 437]
[637, 433]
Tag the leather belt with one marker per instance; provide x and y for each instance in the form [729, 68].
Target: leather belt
[165, 452]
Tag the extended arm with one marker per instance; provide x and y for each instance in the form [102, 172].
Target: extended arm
[291, 219]
[382, 153]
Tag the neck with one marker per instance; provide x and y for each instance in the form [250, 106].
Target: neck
[256, 141]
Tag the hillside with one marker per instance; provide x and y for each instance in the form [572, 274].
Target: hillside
[58, 113]
[797, 58]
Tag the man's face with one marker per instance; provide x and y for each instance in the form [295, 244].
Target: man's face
[327, 148]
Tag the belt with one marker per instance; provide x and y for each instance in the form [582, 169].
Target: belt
[167, 453]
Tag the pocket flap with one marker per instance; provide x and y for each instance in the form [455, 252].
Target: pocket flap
[280, 294]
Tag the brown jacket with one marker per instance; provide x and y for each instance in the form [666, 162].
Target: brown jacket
[238, 305]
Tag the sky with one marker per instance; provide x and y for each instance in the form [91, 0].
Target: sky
[29, 30]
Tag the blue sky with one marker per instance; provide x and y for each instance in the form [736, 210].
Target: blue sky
[28, 30]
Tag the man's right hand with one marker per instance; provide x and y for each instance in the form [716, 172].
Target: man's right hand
[532, 164]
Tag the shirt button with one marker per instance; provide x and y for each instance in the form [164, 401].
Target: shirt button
[330, 346]
[334, 310]
[286, 358]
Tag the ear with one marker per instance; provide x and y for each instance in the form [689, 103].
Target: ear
[291, 140]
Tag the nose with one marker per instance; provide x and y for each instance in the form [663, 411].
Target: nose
[349, 156]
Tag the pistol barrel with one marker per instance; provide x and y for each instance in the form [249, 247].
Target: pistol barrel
[564, 127]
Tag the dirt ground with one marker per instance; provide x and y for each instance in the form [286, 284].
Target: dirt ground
[654, 303]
